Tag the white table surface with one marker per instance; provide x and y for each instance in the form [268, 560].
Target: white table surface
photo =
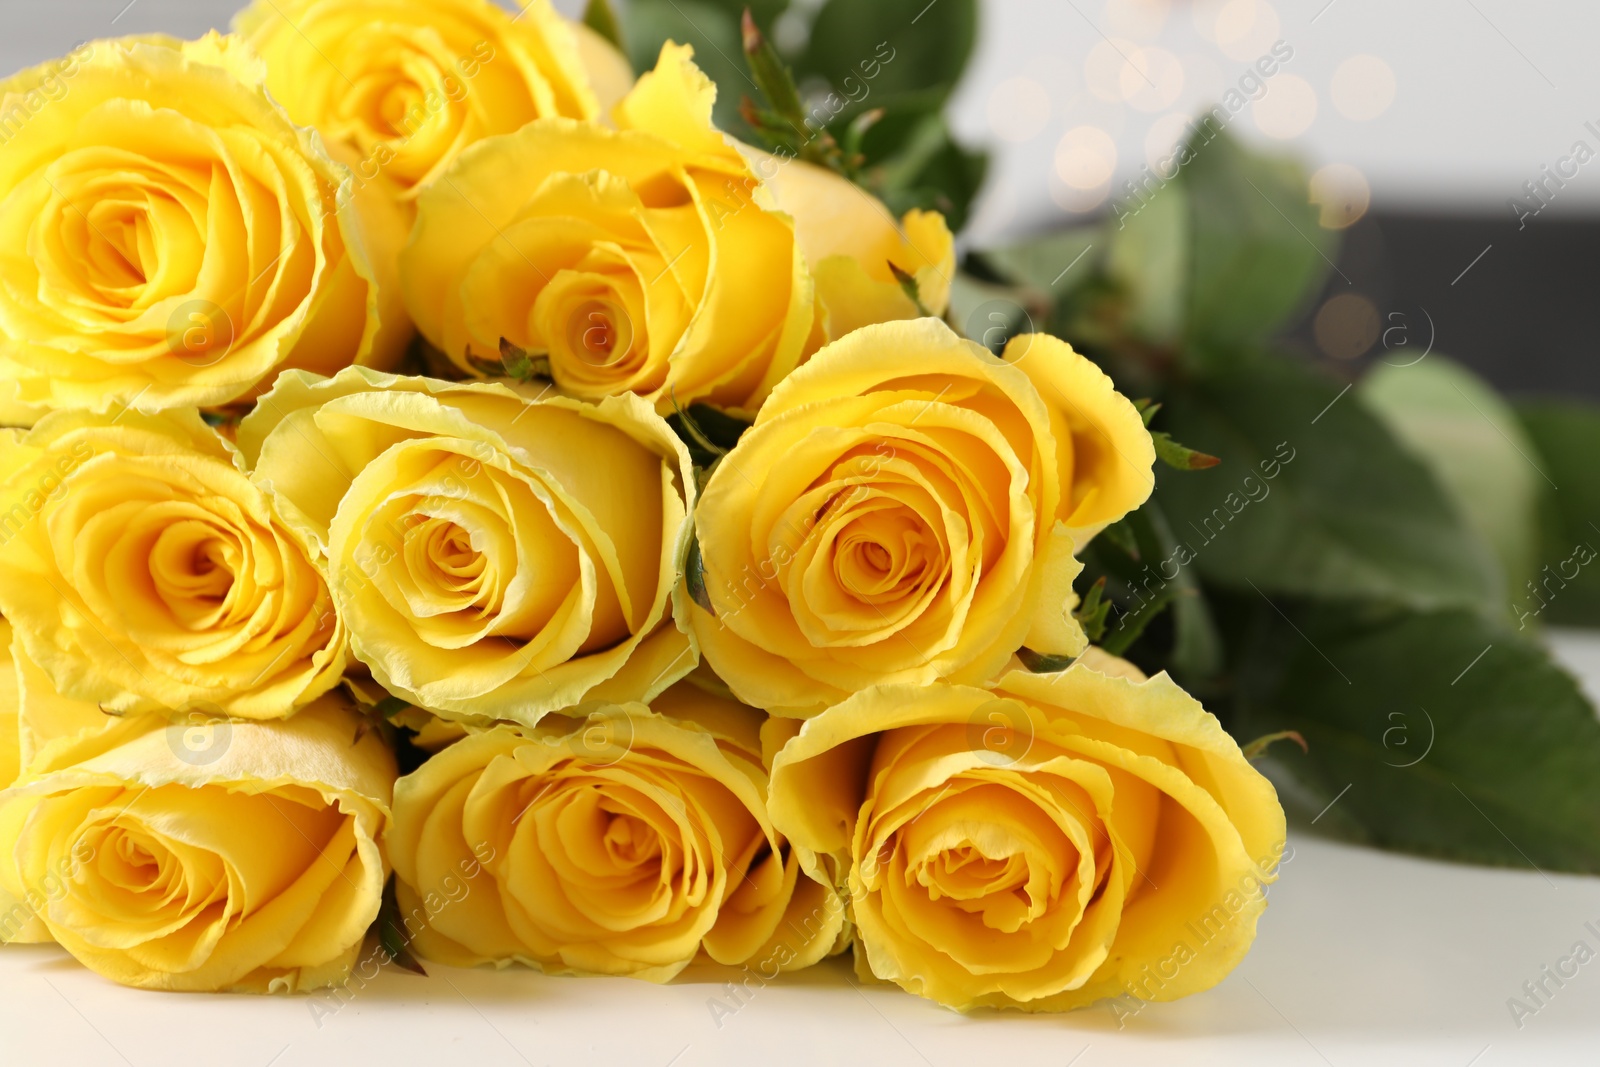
[1362, 958]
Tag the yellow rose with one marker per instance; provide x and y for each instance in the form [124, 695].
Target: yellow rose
[1055, 841]
[142, 570]
[906, 509]
[625, 843]
[10, 712]
[640, 259]
[251, 862]
[399, 87]
[492, 557]
[43, 718]
[850, 238]
[35, 722]
[168, 238]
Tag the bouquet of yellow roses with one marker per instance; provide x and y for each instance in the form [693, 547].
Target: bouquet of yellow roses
[397, 386]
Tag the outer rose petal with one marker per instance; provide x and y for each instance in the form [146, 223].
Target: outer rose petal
[622, 844]
[495, 557]
[1184, 831]
[904, 448]
[1106, 454]
[10, 711]
[643, 259]
[257, 251]
[849, 239]
[467, 69]
[143, 571]
[300, 889]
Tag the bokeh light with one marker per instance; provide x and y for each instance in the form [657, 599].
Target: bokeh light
[1246, 29]
[1363, 88]
[1086, 158]
[1102, 70]
[1342, 192]
[1139, 19]
[1287, 108]
[1152, 79]
[1018, 109]
[1346, 326]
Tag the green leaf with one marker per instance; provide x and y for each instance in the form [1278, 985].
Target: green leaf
[1566, 589]
[766, 12]
[391, 706]
[1314, 497]
[1257, 253]
[1039, 663]
[925, 168]
[389, 931]
[1092, 612]
[912, 289]
[1472, 442]
[599, 17]
[1432, 732]
[893, 47]
[1147, 575]
[708, 432]
[694, 576]
[519, 365]
[1258, 748]
[1123, 537]
[1180, 457]
[1056, 264]
[1148, 256]
[783, 121]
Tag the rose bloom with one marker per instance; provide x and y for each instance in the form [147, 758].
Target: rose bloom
[142, 570]
[169, 238]
[493, 557]
[10, 710]
[34, 715]
[398, 88]
[204, 856]
[1060, 839]
[906, 509]
[849, 239]
[645, 259]
[625, 843]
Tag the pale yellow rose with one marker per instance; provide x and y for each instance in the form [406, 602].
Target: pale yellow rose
[252, 862]
[1052, 842]
[35, 721]
[398, 88]
[626, 843]
[493, 557]
[850, 238]
[641, 259]
[169, 238]
[906, 509]
[47, 719]
[142, 570]
[10, 711]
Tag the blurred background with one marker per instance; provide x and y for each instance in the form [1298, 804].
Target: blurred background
[1444, 135]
